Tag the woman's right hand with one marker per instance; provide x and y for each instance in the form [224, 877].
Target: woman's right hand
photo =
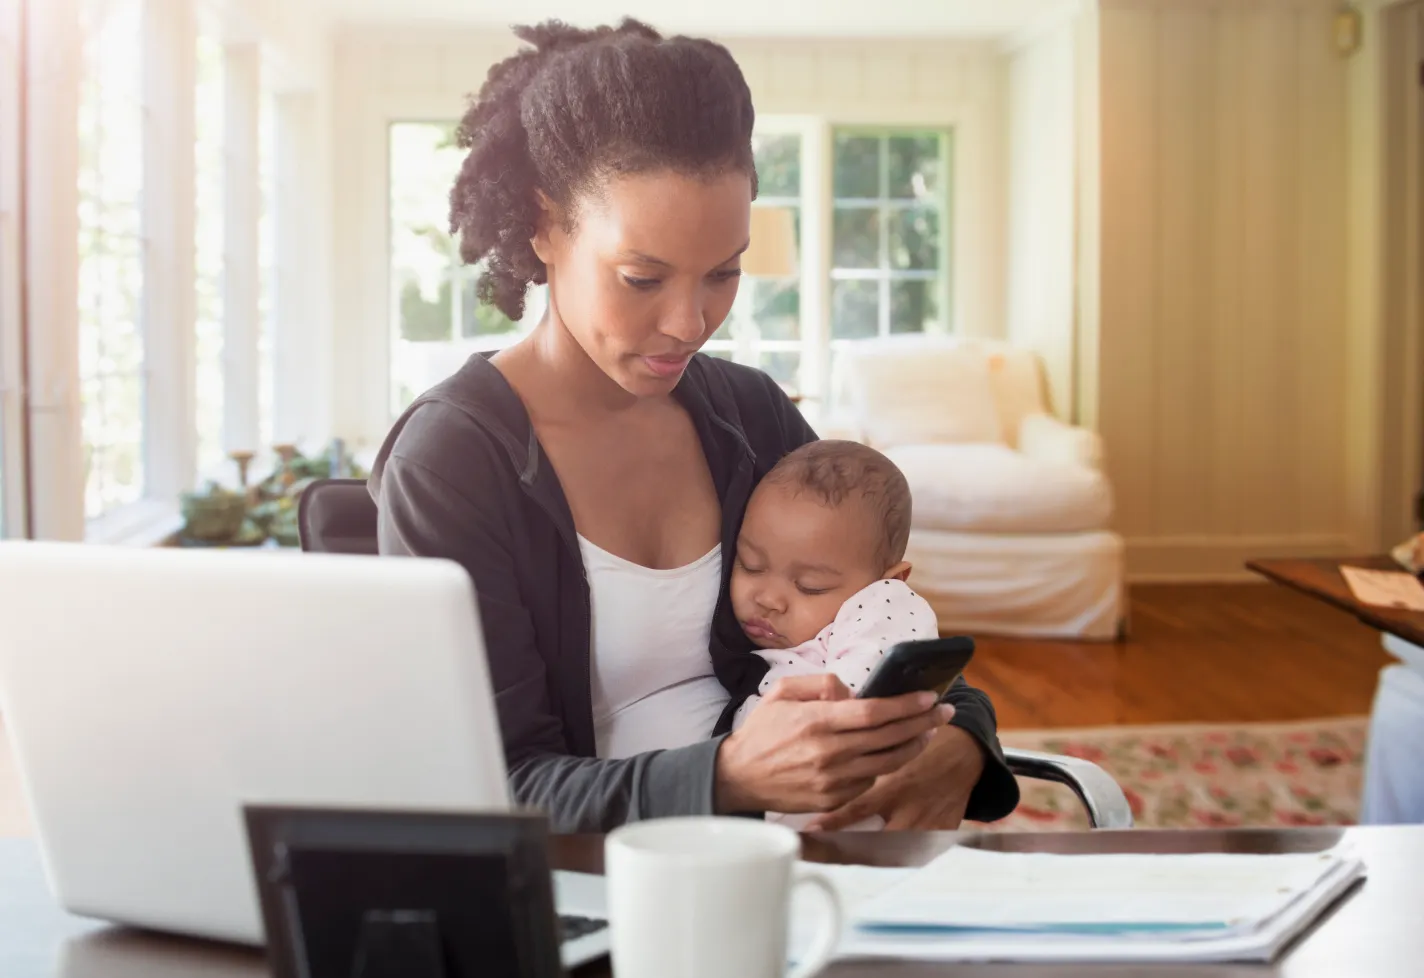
[809, 746]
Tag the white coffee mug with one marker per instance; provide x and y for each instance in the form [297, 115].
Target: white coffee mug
[710, 898]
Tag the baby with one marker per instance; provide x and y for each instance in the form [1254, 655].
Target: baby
[819, 580]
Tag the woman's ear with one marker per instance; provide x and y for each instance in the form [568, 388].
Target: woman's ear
[900, 572]
[549, 230]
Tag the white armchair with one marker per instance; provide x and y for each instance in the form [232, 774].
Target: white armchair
[1010, 532]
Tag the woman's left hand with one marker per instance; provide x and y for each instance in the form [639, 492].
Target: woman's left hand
[930, 792]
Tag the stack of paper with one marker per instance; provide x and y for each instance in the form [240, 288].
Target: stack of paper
[977, 905]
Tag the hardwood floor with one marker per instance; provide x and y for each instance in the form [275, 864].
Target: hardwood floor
[1196, 653]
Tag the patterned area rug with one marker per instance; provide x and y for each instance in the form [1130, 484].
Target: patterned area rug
[1206, 775]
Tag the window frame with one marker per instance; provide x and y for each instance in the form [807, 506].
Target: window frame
[457, 274]
[14, 518]
[883, 204]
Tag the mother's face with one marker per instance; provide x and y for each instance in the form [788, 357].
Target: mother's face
[649, 272]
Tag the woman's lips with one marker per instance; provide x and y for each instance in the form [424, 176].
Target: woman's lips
[667, 366]
[760, 630]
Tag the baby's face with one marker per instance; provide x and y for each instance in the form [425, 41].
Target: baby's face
[797, 562]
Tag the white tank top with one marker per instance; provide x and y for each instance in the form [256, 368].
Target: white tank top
[653, 685]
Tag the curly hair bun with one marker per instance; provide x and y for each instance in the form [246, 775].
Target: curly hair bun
[573, 108]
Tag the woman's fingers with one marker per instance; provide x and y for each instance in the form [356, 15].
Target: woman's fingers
[858, 714]
[872, 765]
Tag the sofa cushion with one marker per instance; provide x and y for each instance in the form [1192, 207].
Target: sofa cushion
[905, 396]
[994, 489]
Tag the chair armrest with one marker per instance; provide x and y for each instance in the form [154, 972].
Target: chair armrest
[1107, 805]
[1044, 437]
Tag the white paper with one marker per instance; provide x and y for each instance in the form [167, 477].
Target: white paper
[976, 905]
[1385, 589]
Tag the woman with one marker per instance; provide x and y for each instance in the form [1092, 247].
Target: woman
[592, 478]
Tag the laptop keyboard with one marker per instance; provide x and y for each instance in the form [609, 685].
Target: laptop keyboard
[571, 927]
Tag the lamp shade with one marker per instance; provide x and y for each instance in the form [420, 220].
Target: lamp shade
[772, 252]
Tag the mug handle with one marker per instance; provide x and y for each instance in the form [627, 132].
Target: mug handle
[828, 933]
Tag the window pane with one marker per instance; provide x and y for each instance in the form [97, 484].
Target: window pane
[425, 318]
[784, 368]
[857, 166]
[914, 238]
[913, 308]
[855, 238]
[855, 310]
[110, 254]
[914, 163]
[478, 319]
[776, 309]
[778, 164]
[436, 321]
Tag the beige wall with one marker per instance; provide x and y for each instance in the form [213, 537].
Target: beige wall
[1222, 336]
[382, 75]
[1042, 149]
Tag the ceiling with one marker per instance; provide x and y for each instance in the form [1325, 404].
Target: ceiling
[827, 18]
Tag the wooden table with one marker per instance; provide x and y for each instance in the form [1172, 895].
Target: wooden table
[1376, 932]
[1321, 578]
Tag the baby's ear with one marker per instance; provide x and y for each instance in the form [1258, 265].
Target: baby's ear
[900, 572]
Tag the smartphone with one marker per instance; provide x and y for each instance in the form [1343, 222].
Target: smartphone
[912, 667]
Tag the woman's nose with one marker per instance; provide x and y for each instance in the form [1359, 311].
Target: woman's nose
[685, 323]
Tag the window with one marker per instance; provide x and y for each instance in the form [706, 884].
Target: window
[889, 244]
[437, 320]
[764, 327]
[111, 345]
[208, 223]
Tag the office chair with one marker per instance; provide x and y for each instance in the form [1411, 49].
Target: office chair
[339, 516]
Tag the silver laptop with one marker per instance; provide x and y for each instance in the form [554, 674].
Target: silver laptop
[150, 694]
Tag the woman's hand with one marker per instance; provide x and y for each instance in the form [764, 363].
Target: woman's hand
[810, 747]
[930, 792]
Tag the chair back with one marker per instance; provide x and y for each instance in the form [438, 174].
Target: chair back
[337, 516]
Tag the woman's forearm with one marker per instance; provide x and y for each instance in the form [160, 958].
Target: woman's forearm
[589, 794]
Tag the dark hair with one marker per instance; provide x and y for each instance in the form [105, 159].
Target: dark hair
[834, 471]
[573, 109]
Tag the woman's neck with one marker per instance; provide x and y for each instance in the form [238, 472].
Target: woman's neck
[558, 380]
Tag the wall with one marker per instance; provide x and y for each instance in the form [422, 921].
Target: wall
[1222, 337]
[1042, 148]
[385, 75]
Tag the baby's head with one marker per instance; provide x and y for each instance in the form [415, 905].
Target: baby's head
[832, 518]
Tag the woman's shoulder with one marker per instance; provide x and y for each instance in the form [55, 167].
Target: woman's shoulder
[462, 430]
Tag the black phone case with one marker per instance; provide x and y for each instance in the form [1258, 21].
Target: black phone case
[926, 664]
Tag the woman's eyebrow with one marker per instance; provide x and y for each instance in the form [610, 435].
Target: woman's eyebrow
[646, 259]
[638, 256]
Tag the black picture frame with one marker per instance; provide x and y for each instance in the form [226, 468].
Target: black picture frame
[349, 893]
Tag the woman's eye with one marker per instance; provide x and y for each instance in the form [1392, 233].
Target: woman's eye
[641, 284]
[729, 275]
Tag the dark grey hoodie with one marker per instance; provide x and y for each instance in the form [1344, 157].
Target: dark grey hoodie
[462, 476]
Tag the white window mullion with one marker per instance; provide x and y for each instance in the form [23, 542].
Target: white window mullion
[242, 204]
[169, 202]
[817, 212]
[296, 351]
[13, 518]
[54, 67]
